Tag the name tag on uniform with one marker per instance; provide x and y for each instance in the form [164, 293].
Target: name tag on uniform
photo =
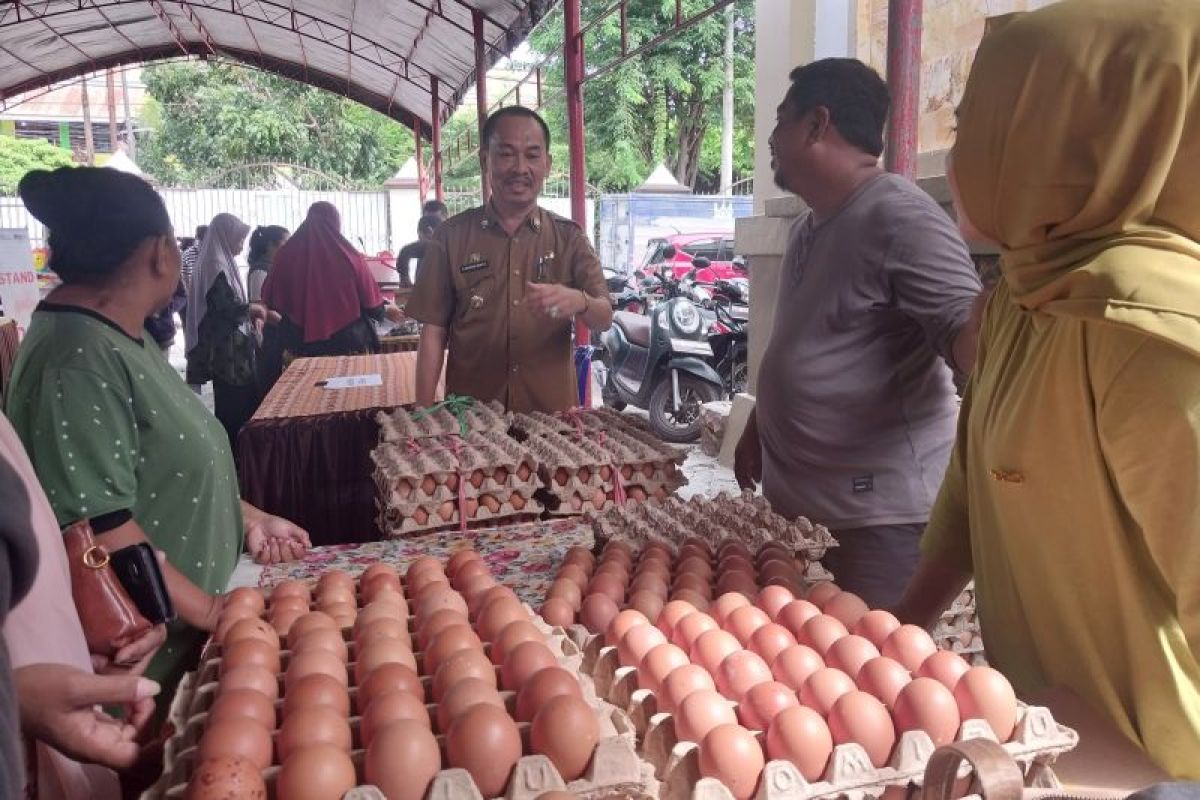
[475, 262]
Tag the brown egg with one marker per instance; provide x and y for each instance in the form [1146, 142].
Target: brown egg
[620, 550]
[733, 547]
[343, 614]
[884, 678]
[680, 683]
[428, 485]
[849, 653]
[621, 623]
[648, 602]
[763, 702]
[732, 755]
[336, 595]
[743, 622]
[459, 559]
[438, 622]
[671, 614]
[492, 594]
[576, 574]
[517, 501]
[253, 677]
[386, 678]
[380, 582]
[513, 634]
[909, 645]
[711, 648]
[448, 642]
[250, 651]
[652, 582]
[557, 612]
[312, 621]
[312, 725]
[800, 735]
[876, 626]
[568, 591]
[226, 777]
[335, 577]
[773, 598]
[282, 621]
[243, 704]
[566, 731]
[608, 584]
[924, 704]
[486, 743]
[637, 642]
[380, 592]
[237, 737]
[541, 687]
[735, 563]
[388, 708]
[378, 568]
[246, 597]
[375, 611]
[474, 588]
[315, 662]
[693, 583]
[824, 687]
[496, 615]
[794, 665]
[691, 628]
[738, 582]
[322, 639]
[860, 717]
[251, 628]
[725, 604]
[463, 664]
[944, 667]
[597, 612]
[522, 662]
[380, 652]
[420, 516]
[739, 672]
[402, 760]
[793, 616]
[523, 472]
[500, 476]
[318, 772]
[461, 696]
[446, 511]
[316, 690]
[291, 589]
[846, 607]
[658, 663]
[383, 629]
[430, 584]
[821, 593]
[581, 556]
[983, 693]
[821, 632]
[700, 712]
[770, 640]
[699, 601]
[421, 565]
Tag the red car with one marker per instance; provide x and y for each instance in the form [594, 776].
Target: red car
[716, 247]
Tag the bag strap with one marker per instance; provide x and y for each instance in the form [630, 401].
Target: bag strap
[996, 774]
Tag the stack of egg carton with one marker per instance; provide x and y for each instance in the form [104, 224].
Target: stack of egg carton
[421, 481]
[402, 425]
[958, 629]
[584, 452]
[747, 517]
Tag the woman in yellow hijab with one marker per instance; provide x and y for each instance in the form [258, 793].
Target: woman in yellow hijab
[1073, 495]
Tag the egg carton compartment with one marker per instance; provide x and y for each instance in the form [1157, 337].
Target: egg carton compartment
[538, 423]
[747, 517]
[403, 424]
[394, 524]
[615, 769]
[432, 470]
[1037, 741]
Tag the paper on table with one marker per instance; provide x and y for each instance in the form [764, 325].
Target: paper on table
[352, 381]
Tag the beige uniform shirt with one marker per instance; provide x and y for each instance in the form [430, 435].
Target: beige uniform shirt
[472, 282]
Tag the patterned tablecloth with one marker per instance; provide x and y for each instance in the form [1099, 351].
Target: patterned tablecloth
[523, 557]
[300, 391]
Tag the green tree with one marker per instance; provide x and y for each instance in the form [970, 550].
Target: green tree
[206, 119]
[664, 105]
[19, 156]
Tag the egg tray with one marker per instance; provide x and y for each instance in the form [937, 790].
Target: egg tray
[394, 524]
[616, 769]
[537, 423]
[402, 425]
[436, 458]
[747, 517]
[1037, 741]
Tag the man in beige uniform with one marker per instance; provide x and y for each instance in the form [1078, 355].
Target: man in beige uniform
[502, 284]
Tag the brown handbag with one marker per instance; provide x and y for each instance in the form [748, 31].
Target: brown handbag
[110, 619]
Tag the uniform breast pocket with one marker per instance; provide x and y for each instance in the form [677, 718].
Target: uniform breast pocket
[476, 296]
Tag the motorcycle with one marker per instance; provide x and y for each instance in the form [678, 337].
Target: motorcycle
[623, 292]
[660, 362]
[729, 338]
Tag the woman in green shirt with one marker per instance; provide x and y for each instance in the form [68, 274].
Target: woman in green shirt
[113, 432]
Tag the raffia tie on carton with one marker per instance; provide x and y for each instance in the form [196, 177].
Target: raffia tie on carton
[455, 444]
[456, 404]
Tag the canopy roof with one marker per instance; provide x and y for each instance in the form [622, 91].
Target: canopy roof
[382, 53]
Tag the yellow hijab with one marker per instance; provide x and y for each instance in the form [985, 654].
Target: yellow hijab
[1078, 151]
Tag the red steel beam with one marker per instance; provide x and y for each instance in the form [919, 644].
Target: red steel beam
[422, 185]
[436, 144]
[481, 96]
[904, 84]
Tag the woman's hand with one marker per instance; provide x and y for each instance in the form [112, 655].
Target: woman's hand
[271, 539]
[59, 705]
[393, 313]
[258, 312]
[133, 658]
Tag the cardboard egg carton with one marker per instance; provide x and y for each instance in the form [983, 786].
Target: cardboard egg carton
[747, 517]
[616, 769]
[396, 523]
[538, 423]
[1037, 741]
[402, 424]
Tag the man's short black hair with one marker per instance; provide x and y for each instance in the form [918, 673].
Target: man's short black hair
[489, 127]
[857, 99]
[428, 223]
[435, 207]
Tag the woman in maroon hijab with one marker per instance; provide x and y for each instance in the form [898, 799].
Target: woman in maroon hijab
[324, 293]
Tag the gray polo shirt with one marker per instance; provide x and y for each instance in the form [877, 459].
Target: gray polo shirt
[856, 405]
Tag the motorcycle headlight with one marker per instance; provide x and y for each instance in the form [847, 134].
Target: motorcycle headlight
[686, 317]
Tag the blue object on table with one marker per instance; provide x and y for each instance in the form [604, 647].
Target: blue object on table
[583, 370]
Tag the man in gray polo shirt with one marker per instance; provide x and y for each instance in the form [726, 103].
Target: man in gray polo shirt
[856, 407]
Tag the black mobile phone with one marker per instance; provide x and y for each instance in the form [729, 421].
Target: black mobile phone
[137, 568]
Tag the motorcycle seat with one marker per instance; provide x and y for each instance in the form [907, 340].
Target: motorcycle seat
[635, 326]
